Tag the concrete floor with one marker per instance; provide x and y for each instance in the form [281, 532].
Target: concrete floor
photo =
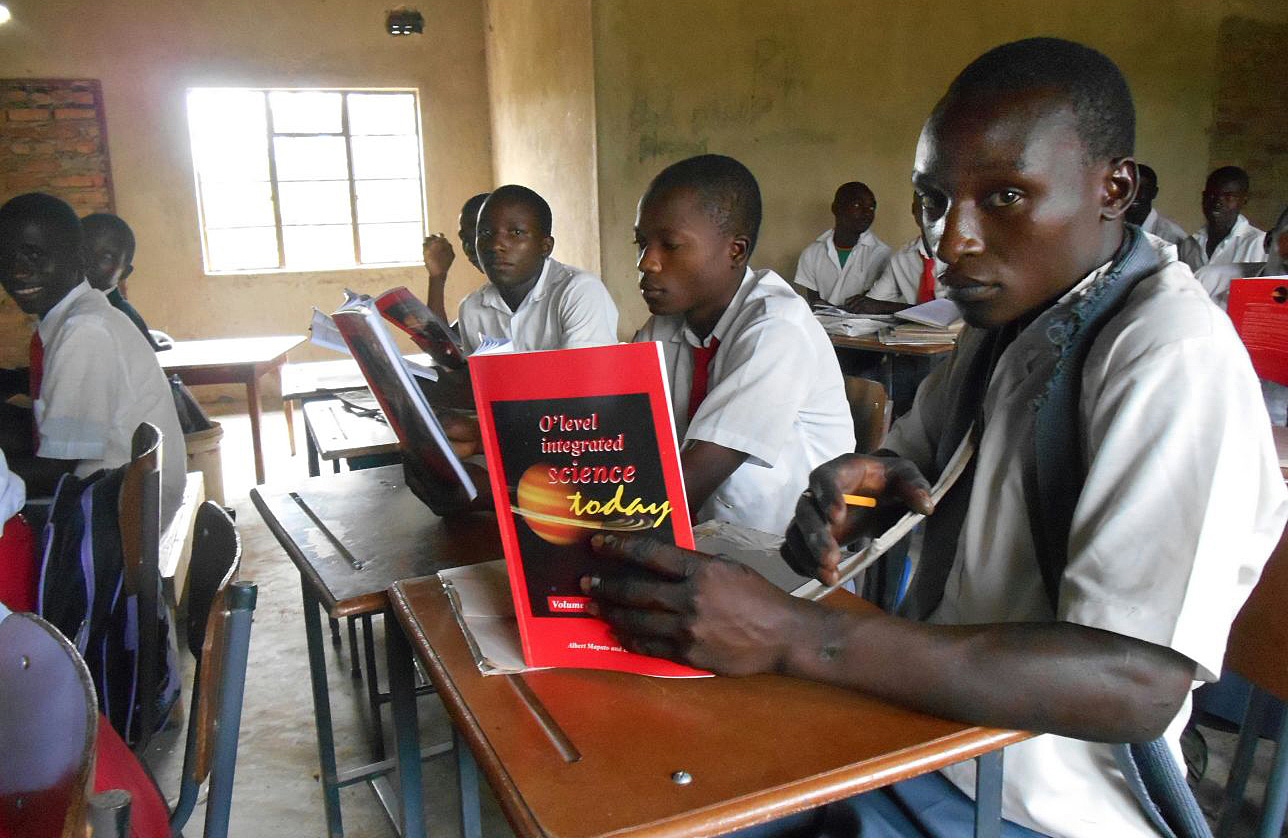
[277, 790]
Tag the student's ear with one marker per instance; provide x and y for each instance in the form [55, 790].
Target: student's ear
[547, 245]
[125, 274]
[1120, 187]
[739, 250]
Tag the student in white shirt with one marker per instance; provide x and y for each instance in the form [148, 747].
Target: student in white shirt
[99, 378]
[1227, 236]
[1025, 171]
[842, 263]
[530, 298]
[911, 277]
[1142, 212]
[755, 385]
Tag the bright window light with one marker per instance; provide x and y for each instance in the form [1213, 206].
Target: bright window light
[294, 180]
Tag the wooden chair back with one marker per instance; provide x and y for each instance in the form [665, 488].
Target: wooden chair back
[1259, 636]
[218, 629]
[48, 724]
[870, 408]
[139, 512]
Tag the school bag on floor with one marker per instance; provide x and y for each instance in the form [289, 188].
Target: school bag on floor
[82, 593]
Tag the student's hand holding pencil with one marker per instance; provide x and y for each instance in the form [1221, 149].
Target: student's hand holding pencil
[839, 506]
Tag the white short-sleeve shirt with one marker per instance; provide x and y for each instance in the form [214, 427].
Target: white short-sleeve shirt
[774, 392]
[1244, 243]
[1163, 227]
[1182, 505]
[901, 279]
[819, 267]
[567, 308]
[101, 380]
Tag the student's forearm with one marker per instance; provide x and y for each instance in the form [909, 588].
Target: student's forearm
[867, 305]
[435, 296]
[811, 296]
[705, 466]
[1050, 677]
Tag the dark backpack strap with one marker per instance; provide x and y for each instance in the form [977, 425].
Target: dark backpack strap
[1057, 471]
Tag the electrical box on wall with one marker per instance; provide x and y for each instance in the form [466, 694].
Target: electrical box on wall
[404, 20]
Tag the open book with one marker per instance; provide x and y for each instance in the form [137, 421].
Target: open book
[427, 330]
[434, 473]
[934, 323]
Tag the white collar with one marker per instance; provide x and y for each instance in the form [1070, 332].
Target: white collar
[53, 318]
[492, 295]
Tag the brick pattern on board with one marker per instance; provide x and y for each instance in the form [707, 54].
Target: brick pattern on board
[52, 139]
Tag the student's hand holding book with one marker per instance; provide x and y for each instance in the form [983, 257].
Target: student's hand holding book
[824, 520]
[703, 611]
[463, 433]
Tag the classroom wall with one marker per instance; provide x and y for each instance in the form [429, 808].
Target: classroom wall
[148, 52]
[540, 80]
[811, 95]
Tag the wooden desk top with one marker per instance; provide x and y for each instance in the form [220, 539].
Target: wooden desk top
[869, 343]
[223, 352]
[339, 433]
[321, 378]
[353, 535]
[579, 753]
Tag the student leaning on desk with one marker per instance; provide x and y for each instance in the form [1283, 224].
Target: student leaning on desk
[1151, 545]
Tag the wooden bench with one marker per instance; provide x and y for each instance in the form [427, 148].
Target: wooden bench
[175, 553]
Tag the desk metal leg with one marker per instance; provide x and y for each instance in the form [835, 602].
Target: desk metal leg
[373, 686]
[988, 795]
[402, 690]
[467, 778]
[252, 407]
[322, 714]
[355, 669]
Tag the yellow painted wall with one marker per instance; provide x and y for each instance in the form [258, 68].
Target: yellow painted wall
[148, 52]
[543, 114]
[812, 94]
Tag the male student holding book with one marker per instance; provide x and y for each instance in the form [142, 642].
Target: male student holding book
[530, 298]
[94, 377]
[1125, 493]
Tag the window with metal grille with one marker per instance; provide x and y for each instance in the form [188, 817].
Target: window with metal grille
[301, 180]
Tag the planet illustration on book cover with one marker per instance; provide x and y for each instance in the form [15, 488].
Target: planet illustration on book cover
[545, 509]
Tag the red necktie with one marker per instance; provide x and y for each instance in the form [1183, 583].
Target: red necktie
[702, 356]
[926, 289]
[36, 364]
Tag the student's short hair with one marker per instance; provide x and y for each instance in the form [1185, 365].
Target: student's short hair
[53, 214]
[112, 225]
[856, 185]
[474, 203]
[1147, 171]
[1093, 84]
[1228, 173]
[726, 189]
[525, 196]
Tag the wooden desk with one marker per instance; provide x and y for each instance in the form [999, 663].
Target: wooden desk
[869, 343]
[232, 361]
[351, 536]
[579, 753]
[337, 434]
[302, 382]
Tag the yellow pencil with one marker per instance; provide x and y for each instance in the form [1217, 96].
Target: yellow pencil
[859, 500]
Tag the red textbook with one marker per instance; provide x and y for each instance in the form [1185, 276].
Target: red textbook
[578, 441]
[426, 329]
[1259, 310]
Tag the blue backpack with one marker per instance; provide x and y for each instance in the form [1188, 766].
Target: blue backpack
[82, 592]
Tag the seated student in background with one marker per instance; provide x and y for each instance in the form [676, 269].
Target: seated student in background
[842, 263]
[530, 298]
[107, 255]
[755, 386]
[94, 376]
[1226, 236]
[911, 277]
[439, 255]
[1142, 212]
[1024, 170]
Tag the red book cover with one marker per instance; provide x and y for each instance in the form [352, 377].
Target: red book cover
[1259, 309]
[426, 329]
[578, 441]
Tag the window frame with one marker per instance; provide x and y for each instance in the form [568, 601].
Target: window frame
[273, 182]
